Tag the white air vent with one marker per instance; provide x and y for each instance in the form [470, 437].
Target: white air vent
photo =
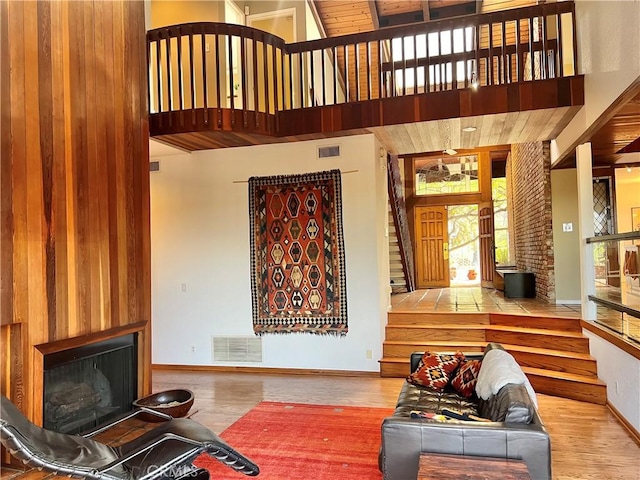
[237, 349]
[154, 166]
[329, 151]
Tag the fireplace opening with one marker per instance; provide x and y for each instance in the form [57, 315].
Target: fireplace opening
[88, 385]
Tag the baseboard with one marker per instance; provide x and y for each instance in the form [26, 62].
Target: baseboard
[630, 428]
[266, 370]
[568, 302]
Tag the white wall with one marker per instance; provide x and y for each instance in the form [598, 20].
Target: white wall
[627, 196]
[200, 238]
[566, 245]
[608, 46]
[266, 6]
[621, 372]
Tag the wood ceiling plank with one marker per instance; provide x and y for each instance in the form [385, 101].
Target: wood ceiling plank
[415, 140]
[353, 21]
[548, 128]
[520, 124]
[485, 130]
[496, 5]
[345, 15]
[471, 139]
[454, 128]
[537, 121]
[384, 137]
[396, 7]
[497, 126]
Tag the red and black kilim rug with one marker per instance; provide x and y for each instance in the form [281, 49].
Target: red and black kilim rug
[292, 441]
[297, 254]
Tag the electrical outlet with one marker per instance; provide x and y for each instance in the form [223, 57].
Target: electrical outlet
[616, 385]
[369, 354]
[183, 287]
[193, 349]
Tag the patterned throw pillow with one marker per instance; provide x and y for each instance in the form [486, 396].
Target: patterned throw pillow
[465, 379]
[435, 370]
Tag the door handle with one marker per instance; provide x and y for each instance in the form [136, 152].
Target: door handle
[445, 250]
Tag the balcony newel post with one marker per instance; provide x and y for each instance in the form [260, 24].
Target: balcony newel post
[559, 52]
[243, 81]
[192, 77]
[254, 63]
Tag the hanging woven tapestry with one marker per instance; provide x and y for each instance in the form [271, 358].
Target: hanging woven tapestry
[297, 254]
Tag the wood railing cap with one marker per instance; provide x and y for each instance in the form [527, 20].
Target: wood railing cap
[219, 28]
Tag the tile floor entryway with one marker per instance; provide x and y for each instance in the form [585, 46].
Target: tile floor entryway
[488, 300]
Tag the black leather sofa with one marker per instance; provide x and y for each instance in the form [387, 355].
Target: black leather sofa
[515, 432]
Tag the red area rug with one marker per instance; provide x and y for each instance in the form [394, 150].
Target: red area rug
[292, 441]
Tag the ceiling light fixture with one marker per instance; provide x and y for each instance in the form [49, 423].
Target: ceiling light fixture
[469, 129]
[450, 151]
[629, 168]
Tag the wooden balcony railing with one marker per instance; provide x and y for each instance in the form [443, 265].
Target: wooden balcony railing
[221, 66]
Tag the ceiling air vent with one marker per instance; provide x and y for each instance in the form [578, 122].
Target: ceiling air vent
[154, 166]
[330, 151]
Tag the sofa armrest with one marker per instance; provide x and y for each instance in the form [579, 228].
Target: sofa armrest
[403, 439]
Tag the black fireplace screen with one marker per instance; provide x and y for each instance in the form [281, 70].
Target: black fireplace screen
[88, 385]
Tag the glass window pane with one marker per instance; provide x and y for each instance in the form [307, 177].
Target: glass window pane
[445, 175]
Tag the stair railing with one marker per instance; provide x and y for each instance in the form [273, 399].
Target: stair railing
[400, 220]
[222, 66]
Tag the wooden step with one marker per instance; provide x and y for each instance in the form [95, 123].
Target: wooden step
[539, 338]
[539, 322]
[393, 367]
[415, 317]
[435, 332]
[586, 388]
[555, 360]
[401, 349]
[577, 387]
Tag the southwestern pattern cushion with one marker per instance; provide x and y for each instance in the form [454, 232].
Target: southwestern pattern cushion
[465, 379]
[435, 370]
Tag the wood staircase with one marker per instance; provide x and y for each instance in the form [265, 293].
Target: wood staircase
[396, 271]
[553, 352]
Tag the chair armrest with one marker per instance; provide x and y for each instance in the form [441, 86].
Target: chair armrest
[125, 416]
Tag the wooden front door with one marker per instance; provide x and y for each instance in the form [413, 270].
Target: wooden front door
[432, 247]
[487, 244]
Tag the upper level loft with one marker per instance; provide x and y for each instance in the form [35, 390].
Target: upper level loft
[511, 75]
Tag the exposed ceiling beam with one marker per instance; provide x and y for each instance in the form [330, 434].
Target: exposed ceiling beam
[425, 10]
[632, 147]
[374, 14]
[316, 17]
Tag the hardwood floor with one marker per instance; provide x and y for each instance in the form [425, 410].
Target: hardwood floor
[587, 440]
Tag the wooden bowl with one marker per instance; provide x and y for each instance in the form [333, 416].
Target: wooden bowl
[171, 402]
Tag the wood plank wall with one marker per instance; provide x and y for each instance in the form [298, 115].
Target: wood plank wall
[74, 182]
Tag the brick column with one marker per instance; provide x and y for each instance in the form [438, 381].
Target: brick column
[530, 183]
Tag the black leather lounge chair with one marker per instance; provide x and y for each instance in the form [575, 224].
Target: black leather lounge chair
[166, 452]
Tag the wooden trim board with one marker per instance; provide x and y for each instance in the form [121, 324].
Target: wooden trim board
[266, 370]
